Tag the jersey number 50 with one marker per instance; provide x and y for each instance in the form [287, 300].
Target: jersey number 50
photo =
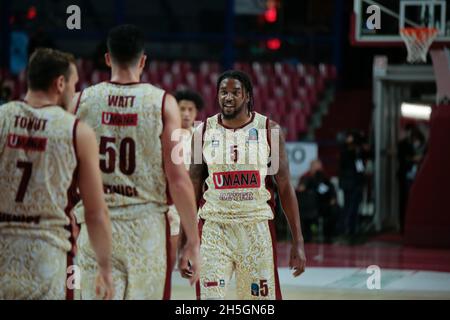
[127, 156]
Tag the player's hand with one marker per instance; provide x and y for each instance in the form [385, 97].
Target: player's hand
[189, 262]
[297, 260]
[104, 287]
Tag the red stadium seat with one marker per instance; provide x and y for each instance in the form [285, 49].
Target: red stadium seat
[285, 92]
[301, 70]
[290, 124]
[274, 117]
[281, 106]
[215, 67]
[186, 67]
[268, 70]
[271, 107]
[327, 71]
[257, 68]
[279, 69]
[213, 78]
[175, 67]
[300, 120]
[191, 80]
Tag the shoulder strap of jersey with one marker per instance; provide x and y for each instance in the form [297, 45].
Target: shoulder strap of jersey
[78, 102]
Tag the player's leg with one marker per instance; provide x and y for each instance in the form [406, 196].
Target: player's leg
[256, 272]
[147, 259]
[31, 269]
[88, 264]
[217, 262]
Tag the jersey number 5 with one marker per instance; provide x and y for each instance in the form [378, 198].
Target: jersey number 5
[234, 153]
[127, 156]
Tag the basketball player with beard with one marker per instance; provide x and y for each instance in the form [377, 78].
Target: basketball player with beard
[234, 188]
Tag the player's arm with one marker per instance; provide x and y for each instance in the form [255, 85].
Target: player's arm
[95, 209]
[198, 171]
[289, 203]
[182, 192]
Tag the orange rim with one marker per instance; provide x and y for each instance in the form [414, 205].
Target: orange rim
[419, 33]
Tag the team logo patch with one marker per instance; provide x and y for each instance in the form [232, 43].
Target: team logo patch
[215, 143]
[255, 289]
[119, 119]
[252, 135]
[236, 179]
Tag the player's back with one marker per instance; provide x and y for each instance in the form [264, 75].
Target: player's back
[37, 164]
[127, 120]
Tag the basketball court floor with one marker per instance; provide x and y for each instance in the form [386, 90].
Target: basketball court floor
[340, 272]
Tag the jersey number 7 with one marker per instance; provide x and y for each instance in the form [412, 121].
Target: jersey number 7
[27, 170]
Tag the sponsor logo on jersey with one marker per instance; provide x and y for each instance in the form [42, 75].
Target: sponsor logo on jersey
[127, 191]
[236, 179]
[208, 284]
[119, 119]
[6, 217]
[237, 196]
[222, 283]
[27, 143]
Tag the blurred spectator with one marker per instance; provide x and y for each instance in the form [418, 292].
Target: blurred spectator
[317, 199]
[367, 209]
[5, 92]
[99, 57]
[411, 150]
[351, 180]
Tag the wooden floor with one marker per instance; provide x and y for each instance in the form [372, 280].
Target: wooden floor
[340, 272]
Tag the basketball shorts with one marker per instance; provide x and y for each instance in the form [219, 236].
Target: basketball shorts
[31, 269]
[246, 249]
[174, 221]
[140, 259]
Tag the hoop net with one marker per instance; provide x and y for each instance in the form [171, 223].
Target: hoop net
[418, 41]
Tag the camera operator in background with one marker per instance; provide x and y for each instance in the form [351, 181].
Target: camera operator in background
[411, 151]
[317, 199]
[352, 180]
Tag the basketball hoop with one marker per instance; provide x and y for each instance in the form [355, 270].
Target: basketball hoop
[418, 41]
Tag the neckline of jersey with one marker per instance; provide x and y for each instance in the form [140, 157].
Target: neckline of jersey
[36, 107]
[124, 84]
[240, 127]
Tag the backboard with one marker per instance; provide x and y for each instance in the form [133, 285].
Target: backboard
[394, 15]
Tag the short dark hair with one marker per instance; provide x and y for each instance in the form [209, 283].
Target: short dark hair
[190, 95]
[125, 44]
[46, 65]
[244, 78]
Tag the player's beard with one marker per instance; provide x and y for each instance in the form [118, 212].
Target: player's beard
[234, 113]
